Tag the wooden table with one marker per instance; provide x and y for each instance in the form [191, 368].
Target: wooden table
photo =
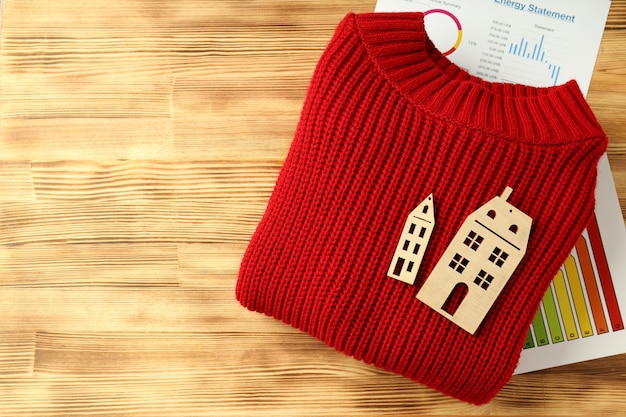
[139, 144]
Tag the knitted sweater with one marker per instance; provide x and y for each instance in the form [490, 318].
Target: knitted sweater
[388, 121]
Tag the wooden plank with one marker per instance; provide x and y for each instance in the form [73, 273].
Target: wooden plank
[260, 122]
[87, 138]
[124, 372]
[606, 91]
[157, 52]
[238, 181]
[16, 183]
[617, 161]
[37, 97]
[203, 265]
[117, 265]
[144, 221]
[36, 111]
[17, 355]
[617, 15]
[97, 309]
[142, 14]
[207, 44]
[141, 201]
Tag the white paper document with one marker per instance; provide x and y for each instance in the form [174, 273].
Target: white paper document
[544, 43]
[539, 43]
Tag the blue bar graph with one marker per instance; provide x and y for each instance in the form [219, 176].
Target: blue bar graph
[535, 53]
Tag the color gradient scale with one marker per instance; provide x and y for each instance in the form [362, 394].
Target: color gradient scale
[581, 300]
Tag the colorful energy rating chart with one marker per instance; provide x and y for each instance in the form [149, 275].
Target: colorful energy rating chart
[581, 316]
[581, 301]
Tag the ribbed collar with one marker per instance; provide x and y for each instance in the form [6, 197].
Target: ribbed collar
[400, 48]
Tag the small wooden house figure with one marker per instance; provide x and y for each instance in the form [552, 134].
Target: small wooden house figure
[413, 241]
[477, 264]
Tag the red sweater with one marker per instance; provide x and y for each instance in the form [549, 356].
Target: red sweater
[387, 121]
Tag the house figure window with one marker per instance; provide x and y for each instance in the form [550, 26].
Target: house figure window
[413, 241]
[483, 255]
[458, 263]
[473, 240]
[498, 256]
[483, 279]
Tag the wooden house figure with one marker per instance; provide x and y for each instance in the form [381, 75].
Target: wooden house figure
[478, 262]
[413, 241]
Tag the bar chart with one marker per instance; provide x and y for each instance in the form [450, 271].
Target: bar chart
[535, 52]
[581, 301]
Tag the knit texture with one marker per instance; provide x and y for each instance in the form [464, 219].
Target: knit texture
[387, 121]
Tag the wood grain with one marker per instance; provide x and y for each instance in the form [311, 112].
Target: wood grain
[139, 144]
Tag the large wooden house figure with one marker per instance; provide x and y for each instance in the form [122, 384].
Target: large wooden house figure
[413, 241]
[478, 263]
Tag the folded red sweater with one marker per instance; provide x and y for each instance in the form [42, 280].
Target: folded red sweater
[387, 122]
